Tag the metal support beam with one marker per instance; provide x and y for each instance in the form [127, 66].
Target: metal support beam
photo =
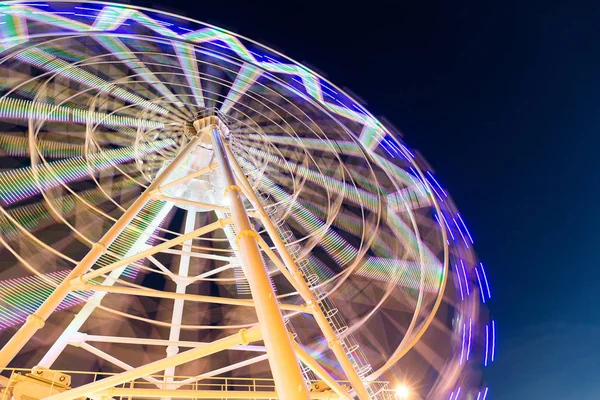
[181, 286]
[242, 337]
[153, 250]
[220, 371]
[186, 178]
[180, 296]
[282, 359]
[288, 260]
[84, 337]
[311, 363]
[37, 320]
[113, 360]
[202, 394]
[190, 203]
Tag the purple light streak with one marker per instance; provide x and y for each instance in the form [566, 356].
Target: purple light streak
[480, 287]
[464, 270]
[487, 345]
[493, 339]
[462, 349]
[437, 183]
[469, 342]
[460, 231]
[448, 226]
[465, 226]
[486, 281]
[462, 296]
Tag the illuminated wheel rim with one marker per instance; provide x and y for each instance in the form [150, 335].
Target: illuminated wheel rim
[98, 97]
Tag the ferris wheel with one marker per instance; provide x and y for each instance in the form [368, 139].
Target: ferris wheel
[185, 213]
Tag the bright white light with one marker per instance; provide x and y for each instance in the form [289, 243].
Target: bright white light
[402, 392]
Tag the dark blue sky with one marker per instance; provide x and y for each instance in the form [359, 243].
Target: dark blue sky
[503, 100]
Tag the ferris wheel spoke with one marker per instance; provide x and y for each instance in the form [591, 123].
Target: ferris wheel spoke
[186, 54]
[42, 59]
[18, 146]
[26, 182]
[245, 78]
[121, 51]
[339, 249]
[20, 109]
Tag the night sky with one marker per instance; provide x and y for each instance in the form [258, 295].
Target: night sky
[502, 99]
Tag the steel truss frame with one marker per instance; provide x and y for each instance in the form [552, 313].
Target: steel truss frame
[282, 351]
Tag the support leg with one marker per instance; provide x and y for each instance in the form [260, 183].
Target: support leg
[282, 359]
[37, 320]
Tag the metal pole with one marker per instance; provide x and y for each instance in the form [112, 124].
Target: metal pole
[204, 394]
[286, 372]
[37, 320]
[288, 260]
[242, 337]
[320, 371]
[177, 316]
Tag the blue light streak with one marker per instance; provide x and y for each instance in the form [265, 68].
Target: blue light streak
[487, 340]
[462, 296]
[465, 226]
[448, 226]
[437, 183]
[486, 281]
[460, 231]
[462, 349]
[480, 287]
[493, 339]
[464, 270]
[469, 342]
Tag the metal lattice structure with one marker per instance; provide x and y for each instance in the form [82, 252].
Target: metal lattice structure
[186, 213]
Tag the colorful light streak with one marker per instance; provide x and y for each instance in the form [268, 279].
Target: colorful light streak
[44, 60]
[462, 349]
[245, 78]
[469, 341]
[461, 234]
[462, 296]
[487, 286]
[12, 108]
[493, 340]
[19, 184]
[18, 146]
[20, 297]
[480, 287]
[487, 344]
[186, 54]
[36, 216]
[120, 50]
[437, 183]
[465, 226]
[464, 271]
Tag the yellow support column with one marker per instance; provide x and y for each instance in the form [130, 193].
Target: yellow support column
[288, 378]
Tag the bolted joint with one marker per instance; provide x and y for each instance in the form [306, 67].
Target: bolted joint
[333, 343]
[243, 337]
[230, 188]
[77, 283]
[172, 350]
[223, 222]
[99, 246]
[78, 339]
[36, 320]
[247, 232]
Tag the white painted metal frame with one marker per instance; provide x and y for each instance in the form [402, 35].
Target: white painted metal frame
[282, 351]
